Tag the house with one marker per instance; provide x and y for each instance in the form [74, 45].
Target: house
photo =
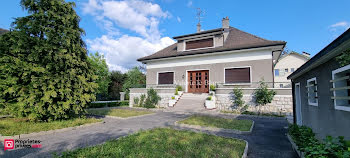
[226, 57]
[286, 65]
[321, 91]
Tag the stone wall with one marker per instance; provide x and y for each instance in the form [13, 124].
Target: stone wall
[164, 93]
[281, 104]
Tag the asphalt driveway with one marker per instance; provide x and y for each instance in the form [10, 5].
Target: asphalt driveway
[267, 139]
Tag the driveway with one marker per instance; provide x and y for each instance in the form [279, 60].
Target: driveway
[267, 139]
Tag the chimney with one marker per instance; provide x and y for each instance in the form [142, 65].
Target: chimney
[225, 23]
[198, 27]
[306, 54]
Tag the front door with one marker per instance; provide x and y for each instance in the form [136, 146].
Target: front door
[298, 104]
[198, 81]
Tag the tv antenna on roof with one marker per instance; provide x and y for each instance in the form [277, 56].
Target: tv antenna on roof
[199, 15]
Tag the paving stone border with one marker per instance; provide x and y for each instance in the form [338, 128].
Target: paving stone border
[122, 118]
[295, 147]
[213, 129]
[23, 136]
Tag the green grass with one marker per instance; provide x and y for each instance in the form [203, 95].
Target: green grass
[241, 125]
[165, 143]
[124, 113]
[252, 113]
[16, 126]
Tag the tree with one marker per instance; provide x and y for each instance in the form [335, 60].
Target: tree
[43, 63]
[100, 69]
[263, 95]
[116, 84]
[344, 58]
[135, 78]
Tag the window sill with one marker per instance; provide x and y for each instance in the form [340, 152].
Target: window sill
[237, 84]
[342, 108]
[313, 104]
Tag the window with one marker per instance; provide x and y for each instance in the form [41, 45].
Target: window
[312, 91]
[203, 43]
[286, 70]
[281, 85]
[277, 72]
[291, 69]
[237, 75]
[166, 78]
[341, 88]
[281, 72]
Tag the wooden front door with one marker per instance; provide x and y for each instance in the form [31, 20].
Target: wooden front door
[198, 81]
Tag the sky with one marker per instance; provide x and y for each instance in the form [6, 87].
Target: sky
[125, 30]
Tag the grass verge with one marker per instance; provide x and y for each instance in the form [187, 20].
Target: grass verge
[16, 126]
[208, 121]
[124, 113]
[165, 142]
[252, 113]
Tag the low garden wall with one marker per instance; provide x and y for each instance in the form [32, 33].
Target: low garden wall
[282, 103]
[164, 93]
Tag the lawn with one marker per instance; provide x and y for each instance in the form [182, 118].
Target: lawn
[165, 142]
[124, 113]
[208, 121]
[16, 126]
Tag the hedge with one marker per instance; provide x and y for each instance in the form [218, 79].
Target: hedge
[112, 104]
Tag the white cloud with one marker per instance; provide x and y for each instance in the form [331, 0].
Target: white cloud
[138, 16]
[189, 3]
[178, 19]
[343, 25]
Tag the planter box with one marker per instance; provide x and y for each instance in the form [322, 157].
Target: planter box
[172, 102]
[213, 92]
[177, 97]
[295, 147]
[210, 104]
[180, 93]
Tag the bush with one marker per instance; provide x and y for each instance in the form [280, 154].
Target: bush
[176, 92]
[173, 98]
[264, 95]
[212, 87]
[136, 100]
[209, 98]
[238, 97]
[178, 88]
[142, 100]
[152, 99]
[97, 105]
[305, 139]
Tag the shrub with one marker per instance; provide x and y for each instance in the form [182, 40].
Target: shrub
[212, 87]
[305, 139]
[238, 97]
[209, 98]
[172, 97]
[152, 99]
[136, 100]
[264, 95]
[211, 94]
[97, 105]
[142, 100]
[124, 103]
[176, 92]
[179, 88]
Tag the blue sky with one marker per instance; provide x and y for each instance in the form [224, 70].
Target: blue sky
[126, 30]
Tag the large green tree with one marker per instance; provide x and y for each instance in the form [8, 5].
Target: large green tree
[100, 68]
[344, 58]
[44, 73]
[135, 78]
[116, 85]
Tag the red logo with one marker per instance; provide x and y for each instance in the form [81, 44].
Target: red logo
[9, 144]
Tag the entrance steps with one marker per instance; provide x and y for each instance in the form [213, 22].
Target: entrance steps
[190, 103]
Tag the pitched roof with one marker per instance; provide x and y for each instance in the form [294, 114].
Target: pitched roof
[295, 53]
[2, 31]
[323, 56]
[236, 40]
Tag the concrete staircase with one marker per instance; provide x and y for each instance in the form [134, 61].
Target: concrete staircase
[190, 103]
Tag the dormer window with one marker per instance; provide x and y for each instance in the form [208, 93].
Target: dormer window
[199, 44]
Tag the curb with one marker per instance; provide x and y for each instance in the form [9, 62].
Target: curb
[121, 118]
[295, 147]
[253, 116]
[22, 136]
[214, 129]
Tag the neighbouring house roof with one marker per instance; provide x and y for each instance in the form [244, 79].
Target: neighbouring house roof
[236, 40]
[2, 31]
[323, 56]
[293, 53]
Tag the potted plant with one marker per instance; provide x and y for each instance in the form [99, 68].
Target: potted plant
[172, 101]
[177, 96]
[210, 102]
[179, 89]
[212, 89]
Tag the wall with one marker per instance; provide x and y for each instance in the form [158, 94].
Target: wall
[260, 62]
[281, 104]
[323, 119]
[164, 93]
[290, 61]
